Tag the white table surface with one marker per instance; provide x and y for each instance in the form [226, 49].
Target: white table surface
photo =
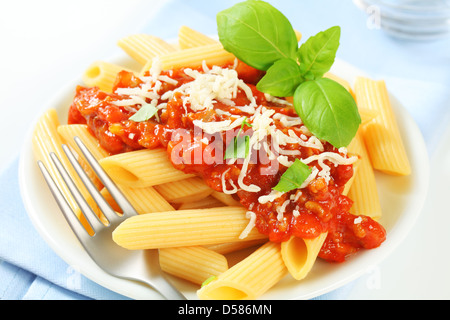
[48, 43]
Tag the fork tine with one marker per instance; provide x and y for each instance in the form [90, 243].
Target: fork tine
[70, 216]
[87, 211]
[121, 200]
[104, 206]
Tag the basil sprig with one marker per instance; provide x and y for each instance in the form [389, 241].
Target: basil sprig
[262, 37]
[293, 177]
[332, 107]
[251, 31]
[240, 146]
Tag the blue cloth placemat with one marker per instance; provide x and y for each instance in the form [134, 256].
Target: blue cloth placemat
[29, 268]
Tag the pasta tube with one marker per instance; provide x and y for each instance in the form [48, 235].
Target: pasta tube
[194, 264]
[190, 189]
[103, 75]
[144, 47]
[363, 190]
[69, 131]
[207, 202]
[213, 54]
[46, 140]
[249, 278]
[229, 247]
[142, 168]
[184, 228]
[144, 200]
[299, 255]
[225, 198]
[189, 38]
[381, 135]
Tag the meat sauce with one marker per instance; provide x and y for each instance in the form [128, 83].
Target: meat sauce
[308, 212]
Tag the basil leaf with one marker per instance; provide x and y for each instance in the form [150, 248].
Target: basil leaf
[144, 113]
[256, 33]
[318, 53]
[238, 149]
[240, 146]
[282, 78]
[293, 177]
[207, 281]
[328, 110]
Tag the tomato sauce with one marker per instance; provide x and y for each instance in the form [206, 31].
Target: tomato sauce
[320, 207]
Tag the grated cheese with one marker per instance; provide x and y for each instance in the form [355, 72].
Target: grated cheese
[215, 84]
[274, 194]
[224, 186]
[251, 224]
[281, 210]
[218, 126]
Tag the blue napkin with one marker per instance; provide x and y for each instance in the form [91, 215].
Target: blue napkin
[29, 268]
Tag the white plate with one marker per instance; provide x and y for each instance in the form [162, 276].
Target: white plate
[402, 199]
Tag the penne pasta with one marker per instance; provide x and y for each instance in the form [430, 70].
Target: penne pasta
[144, 200]
[363, 190]
[249, 278]
[190, 38]
[46, 140]
[144, 47]
[381, 135]
[226, 199]
[299, 255]
[207, 202]
[184, 228]
[69, 131]
[103, 75]
[367, 115]
[212, 54]
[194, 264]
[190, 189]
[225, 248]
[142, 168]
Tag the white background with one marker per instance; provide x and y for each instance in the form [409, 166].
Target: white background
[46, 44]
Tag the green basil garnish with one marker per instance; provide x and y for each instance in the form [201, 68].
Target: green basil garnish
[282, 78]
[144, 113]
[318, 53]
[293, 177]
[239, 148]
[261, 36]
[256, 33]
[328, 110]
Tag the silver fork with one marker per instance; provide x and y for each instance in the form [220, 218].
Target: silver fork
[139, 265]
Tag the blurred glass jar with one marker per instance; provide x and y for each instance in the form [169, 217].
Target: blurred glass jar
[410, 19]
